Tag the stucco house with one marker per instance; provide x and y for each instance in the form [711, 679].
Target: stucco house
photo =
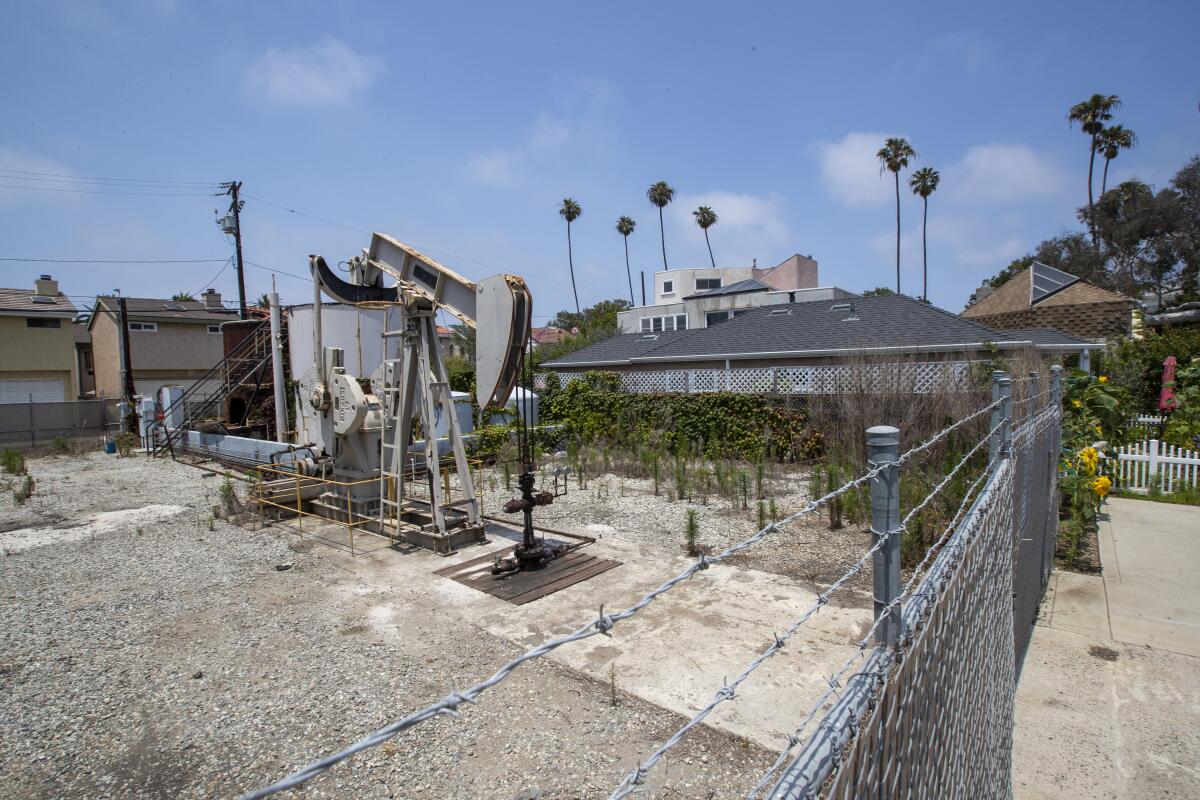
[37, 344]
[170, 341]
[1044, 297]
[686, 299]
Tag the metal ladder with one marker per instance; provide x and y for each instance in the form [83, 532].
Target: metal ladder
[420, 364]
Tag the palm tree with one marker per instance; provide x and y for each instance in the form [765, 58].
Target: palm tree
[183, 297]
[625, 226]
[660, 194]
[264, 301]
[893, 157]
[706, 218]
[924, 182]
[1091, 114]
[571, 211]
[1111, 142]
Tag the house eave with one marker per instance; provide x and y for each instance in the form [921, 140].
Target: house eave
[897, 350]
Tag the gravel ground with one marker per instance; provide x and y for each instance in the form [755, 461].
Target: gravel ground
[143, 655]
[627, 508]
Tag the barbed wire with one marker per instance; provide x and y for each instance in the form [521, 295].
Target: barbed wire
[602, 625]
[450, 704]
[835, 680]
[727, 692]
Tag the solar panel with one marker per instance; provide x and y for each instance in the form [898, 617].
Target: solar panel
[1046, 281]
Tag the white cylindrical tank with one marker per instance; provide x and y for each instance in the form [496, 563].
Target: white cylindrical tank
[167, 397]
[359, 332]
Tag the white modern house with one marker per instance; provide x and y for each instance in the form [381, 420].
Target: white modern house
[687, 299]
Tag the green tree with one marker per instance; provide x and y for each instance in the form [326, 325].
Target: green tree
[1186, 184]
[263, 301]
[183, 297]
[924, 182]
[585, 327]
[893, 157]
[625, 226]
[571, 211]
[878, 291]
[1091, 114]
[660, 195]
[706, 218]
[1111, 141]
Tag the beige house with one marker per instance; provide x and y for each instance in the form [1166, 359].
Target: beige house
[170, 342]
[37, 344]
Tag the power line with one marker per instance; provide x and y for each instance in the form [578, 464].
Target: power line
[441, 253]
[154, 181]
[117, 260]
[280, 272]
[96, 191]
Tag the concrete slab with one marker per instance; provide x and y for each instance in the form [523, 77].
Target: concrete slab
[1109, 700]
[1105, 720]
[674, 654]
[1151, 557]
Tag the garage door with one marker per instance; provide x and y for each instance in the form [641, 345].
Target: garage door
[46, 390]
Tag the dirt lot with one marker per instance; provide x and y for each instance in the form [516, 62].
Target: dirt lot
[146, 655]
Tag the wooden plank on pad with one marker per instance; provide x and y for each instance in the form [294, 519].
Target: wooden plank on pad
[519, 588]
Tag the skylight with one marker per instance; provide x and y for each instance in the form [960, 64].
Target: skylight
[1046, 281]
[42, 300]
[174, 307]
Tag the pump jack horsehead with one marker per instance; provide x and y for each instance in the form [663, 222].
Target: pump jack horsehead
[369, 434]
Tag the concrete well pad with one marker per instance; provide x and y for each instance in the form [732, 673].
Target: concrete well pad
[675, 653]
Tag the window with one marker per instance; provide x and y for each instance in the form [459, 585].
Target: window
[715, 318]
[214, 328]
[673, 322]
[43, 322]
[668, 287]
[150, 327]
[703, 284]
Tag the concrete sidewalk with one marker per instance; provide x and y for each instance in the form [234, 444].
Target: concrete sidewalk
[1109, 700]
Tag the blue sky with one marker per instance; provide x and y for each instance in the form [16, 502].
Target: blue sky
[459, 127]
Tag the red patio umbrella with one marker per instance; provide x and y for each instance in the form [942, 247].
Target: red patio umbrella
[1166, 399]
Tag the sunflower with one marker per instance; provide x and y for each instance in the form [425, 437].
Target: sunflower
[1101, 486]
[1103, 379]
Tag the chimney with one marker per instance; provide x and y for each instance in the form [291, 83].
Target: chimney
[45, 286]
[212, 299]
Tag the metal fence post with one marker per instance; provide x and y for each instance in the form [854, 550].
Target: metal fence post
[1031, 403]
[1007, 408]
[883, 447]
[996, 443]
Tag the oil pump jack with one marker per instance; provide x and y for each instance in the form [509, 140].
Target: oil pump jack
[372, 433]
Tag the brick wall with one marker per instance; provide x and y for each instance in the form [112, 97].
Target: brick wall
[1091, 321]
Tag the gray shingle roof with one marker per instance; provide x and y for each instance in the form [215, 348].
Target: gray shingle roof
[748, 285]
[177, 310]
[20, 300]
[893, 323]
[1043, 336]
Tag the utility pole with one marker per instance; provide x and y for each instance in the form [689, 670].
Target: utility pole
[131, 415]
[235, 207]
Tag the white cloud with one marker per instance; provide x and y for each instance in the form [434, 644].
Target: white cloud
[1002, 173]
[951, 50]
[748, 225]
[580, 124]
[850, 169]
[327, 73]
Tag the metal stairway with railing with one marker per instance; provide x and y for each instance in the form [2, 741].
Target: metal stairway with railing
[244, 363]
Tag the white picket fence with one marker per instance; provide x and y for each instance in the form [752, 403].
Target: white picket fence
[1138, 463]
[1148, 424]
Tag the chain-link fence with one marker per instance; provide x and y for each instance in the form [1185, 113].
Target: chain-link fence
[931, 715]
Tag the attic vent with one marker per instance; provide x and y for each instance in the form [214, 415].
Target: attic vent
[779, 312]
[42, 300]
[174, 307]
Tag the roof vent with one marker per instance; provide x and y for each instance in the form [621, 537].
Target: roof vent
[174, 307]
[650, 336]
[846, 307]
[779, 312]
[42, 300]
